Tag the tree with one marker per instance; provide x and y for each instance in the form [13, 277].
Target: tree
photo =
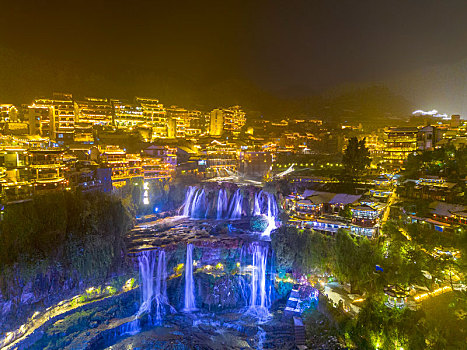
[355, 261]
[356, 158]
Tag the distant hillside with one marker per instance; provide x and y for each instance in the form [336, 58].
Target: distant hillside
[24, 77]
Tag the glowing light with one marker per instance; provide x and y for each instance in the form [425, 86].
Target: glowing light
[433, 113]
[434, 293]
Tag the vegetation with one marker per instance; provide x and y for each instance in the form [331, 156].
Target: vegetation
[351, 260]
[356, 159]
[440, 322]
[447, 162]
[70, 231]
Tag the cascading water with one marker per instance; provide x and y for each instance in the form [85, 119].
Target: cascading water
[222, 203]
[236, 204]
[259, 291]
[197, 205]
[189, 304]
[146, 263]
[271, 214]
[188, 200]
[257, 204]
[161, 286]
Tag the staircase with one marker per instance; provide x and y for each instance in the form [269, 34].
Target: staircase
[299, 328]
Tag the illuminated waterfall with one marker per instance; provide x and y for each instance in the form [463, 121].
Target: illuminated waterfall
[222, 203]
[236, 204]
[259, 291]
[189, 304]
[188, 200]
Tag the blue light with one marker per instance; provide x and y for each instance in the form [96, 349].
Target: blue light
[156, 209]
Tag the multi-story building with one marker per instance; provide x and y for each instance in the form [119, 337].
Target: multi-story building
[14, 174]
[365, 218]
[427, 138]
[177, 120]
[8, 113]
[61, 116]
[39, 120]
[256, 163]
[95, 111]
[399, 142]
[156, 169]
[221, 158]
[167, 155]
[226, 120]
[455, 121]
[195, 125]
[126, 114]
[154, 114]
[47, 169]
[83, 133]
[124, 167]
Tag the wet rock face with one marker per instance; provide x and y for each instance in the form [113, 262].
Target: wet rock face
[220, 293]
[26, 293]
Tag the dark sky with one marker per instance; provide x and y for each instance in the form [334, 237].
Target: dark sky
[189, 50]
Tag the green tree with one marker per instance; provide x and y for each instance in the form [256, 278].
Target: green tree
[355, 261]
[356, 158]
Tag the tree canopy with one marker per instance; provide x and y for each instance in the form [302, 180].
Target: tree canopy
[356, 158]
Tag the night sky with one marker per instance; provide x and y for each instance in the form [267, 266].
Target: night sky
[208, 52]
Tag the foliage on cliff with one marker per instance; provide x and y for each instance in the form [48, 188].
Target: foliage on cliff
[77, 232]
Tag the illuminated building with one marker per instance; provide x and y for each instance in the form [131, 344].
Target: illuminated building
[455, 121]
[95, 111]
[427, 138]
[226, 120]
[123, 166]
[365, 218]
[177, 119]
[255, 163]
[154, 114]
[195, 124]
[398, 144]
[84, 133]
[156, 169]
[8, 113]
[221, 158]
[47, 169]
[61, 116]
[126, 114]
[382, 186]
[167, 155]
[39, 120]
[374, 144]
[14, 174]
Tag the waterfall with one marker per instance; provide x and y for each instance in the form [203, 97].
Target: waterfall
[222, 203]
[146, 262]
[161, 286]
[258, 202]
[199, 202]
[188, 200]
[236, 203]
[149, 291]
[189, 304]
[271, 214]
[259, 297]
